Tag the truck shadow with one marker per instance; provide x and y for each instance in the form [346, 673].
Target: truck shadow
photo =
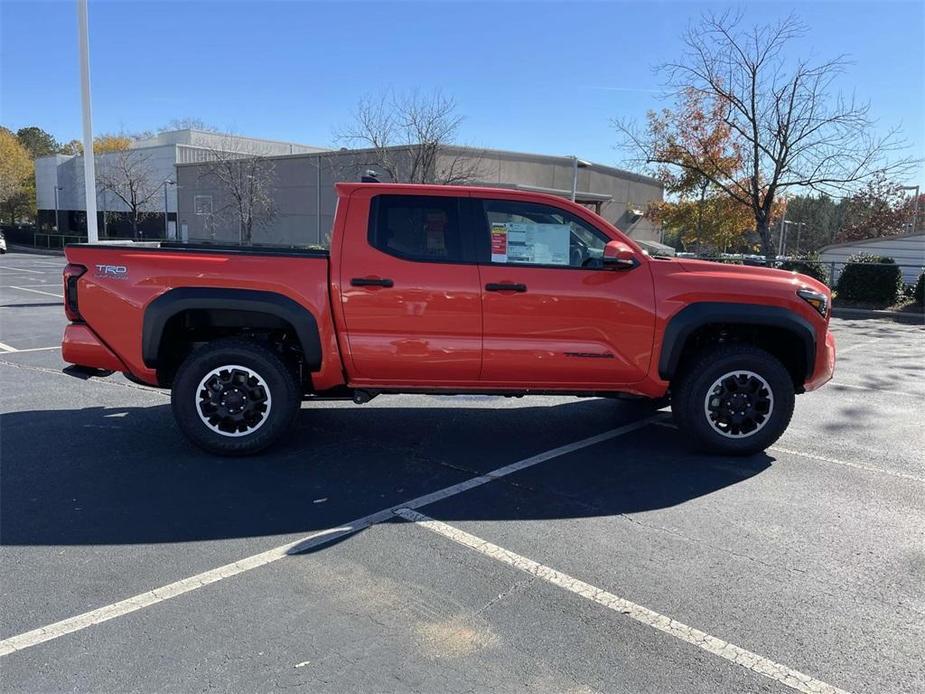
[126, 476]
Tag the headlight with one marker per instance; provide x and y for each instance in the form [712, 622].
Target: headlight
[815, 299]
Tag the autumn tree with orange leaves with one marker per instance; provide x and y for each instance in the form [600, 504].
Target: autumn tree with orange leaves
[787, 127]
[699, 212]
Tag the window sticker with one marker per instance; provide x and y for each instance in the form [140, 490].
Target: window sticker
[538, 244]
[435, 230]
[499, 243]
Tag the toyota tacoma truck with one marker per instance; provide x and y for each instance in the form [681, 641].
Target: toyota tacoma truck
[448, 290]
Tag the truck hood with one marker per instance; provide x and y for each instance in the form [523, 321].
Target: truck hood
[751, 272]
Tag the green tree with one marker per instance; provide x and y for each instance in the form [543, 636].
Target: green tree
[74, 147]
[37, 141]
[818, 218]
[698, 214]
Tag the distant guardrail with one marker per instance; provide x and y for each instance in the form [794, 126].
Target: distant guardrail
[55, 240]
[52, 241]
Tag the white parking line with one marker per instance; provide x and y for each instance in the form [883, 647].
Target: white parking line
[711, 644]
[812, 456]
[13, 350]
[21, 269]
[857, 345]
[46, 284]
[848, 463]
[172, 590]
[37, 291]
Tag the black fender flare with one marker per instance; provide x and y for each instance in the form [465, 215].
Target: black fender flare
[696, 315]
[159, 311]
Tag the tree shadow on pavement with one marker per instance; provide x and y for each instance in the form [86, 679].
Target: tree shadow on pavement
[126, 476]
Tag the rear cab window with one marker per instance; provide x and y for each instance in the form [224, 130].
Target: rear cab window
[423, 228]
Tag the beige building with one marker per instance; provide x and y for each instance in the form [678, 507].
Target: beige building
[302, 197]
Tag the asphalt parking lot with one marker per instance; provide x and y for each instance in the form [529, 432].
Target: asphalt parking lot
[425, 544]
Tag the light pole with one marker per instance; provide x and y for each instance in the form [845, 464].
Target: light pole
[915, 205]
[783, 222]
[800, 226]
[89, 161]
[57, 222]
[576, 164]
[167, 182]
[783, 234]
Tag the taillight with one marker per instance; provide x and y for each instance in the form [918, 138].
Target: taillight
[72, 273]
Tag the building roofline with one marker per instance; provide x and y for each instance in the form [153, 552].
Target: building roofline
[623, 173]
[867, 242]
[235, 136]
[56, 155]
[580, 195]
[545, 158]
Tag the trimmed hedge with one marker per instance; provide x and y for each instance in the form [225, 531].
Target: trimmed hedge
[919, 292]
[870, 279]
[809, 265]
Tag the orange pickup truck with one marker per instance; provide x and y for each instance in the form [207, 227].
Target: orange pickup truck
[447, 290]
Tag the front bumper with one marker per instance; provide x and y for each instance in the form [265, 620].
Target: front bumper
[81, 346]
[825, 362]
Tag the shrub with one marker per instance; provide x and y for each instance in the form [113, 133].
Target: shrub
[808, 265]
[919, 292]
[870, 279]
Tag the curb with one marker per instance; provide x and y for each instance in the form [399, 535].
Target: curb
[913, 317]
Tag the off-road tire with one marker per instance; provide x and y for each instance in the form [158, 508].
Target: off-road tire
[261, 374]
[689, 399]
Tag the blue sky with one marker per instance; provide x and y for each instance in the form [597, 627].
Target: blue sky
[537, 77]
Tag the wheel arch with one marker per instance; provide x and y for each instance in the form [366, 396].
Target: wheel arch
[228, 308]
[787, 335]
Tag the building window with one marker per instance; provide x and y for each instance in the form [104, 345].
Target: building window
[202, 204]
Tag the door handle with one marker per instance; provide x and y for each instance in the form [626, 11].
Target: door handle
[370, 282]
[505, 287]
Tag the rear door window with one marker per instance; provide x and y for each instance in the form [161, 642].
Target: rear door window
[424, 228]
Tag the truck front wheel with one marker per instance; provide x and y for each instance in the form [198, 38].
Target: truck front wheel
[234, 397]
[734, 399]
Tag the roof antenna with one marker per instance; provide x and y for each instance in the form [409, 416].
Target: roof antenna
[369, 177]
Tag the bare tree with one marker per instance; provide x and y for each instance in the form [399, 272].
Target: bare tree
[129, 174]
[788, 126]
[411, 136]
[246, 179]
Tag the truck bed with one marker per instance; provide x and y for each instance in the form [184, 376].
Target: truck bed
[121, 281]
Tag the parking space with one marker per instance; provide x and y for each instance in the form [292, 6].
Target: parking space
[30, 301]
[566, 544]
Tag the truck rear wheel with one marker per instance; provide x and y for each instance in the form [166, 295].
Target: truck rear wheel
[234, 397]
[734, 399]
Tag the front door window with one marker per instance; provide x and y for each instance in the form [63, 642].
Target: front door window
[531, 234]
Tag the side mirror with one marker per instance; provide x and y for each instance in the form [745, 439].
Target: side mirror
[619, 256]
